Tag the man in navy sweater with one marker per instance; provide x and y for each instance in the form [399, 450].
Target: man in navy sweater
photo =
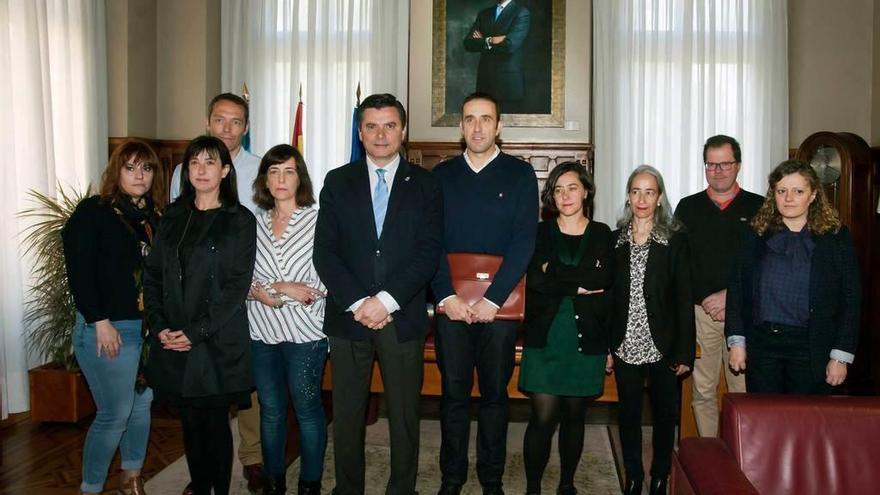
[490, 207]
[717, 219]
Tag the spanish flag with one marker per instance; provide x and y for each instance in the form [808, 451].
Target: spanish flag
[297, 139]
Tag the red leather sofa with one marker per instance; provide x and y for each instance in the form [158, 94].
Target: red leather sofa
[783, 444]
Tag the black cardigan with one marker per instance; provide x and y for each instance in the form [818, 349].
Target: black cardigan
[101, 256]
[206, 301]
[835, 295]
[545, 290]
[668, 299]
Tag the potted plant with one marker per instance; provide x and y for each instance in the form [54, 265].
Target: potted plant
[58, 390]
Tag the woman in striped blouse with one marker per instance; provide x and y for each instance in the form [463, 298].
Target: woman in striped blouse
[285, 315]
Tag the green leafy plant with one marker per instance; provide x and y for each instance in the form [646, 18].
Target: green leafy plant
[49, 313]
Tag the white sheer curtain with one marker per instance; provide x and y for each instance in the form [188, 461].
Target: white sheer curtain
[328, 47]
[671, 73]
[54, 92]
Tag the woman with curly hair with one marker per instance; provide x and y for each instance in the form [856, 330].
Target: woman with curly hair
[794, 297]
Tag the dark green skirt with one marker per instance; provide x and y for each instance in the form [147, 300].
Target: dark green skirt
[558, 368]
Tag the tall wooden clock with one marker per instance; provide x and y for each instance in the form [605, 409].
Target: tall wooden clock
[850, 173]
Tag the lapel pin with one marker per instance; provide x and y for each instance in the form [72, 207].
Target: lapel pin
[501, 195]
[406, 179]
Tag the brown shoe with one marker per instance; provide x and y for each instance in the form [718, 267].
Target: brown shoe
[134, 486]
[253, 473]
[189, 489]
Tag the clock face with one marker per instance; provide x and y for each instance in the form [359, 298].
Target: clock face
[826, 163]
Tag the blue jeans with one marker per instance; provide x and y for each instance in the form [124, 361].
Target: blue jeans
[299, 369]
[123, 417]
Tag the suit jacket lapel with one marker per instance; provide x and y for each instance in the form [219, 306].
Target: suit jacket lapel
[398, 190]
[506, 13]
[624, 267]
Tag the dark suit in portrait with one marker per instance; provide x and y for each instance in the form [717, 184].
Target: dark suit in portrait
[500, 71]
[355, 262]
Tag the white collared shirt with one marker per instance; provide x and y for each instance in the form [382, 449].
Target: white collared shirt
[390, 171]
[476, 169]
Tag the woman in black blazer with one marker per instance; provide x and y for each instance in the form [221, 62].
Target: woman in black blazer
[195, 284]
[794, 298]
[652, 330]
[566, 323]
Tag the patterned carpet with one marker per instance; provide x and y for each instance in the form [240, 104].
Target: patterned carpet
[596, 473]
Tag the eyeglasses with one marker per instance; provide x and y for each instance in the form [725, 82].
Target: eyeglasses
[724, 166]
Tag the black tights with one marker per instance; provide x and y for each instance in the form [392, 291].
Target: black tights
[548, 411]
[207, 441]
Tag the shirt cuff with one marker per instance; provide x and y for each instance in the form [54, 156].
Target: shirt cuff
[488, 43]
[736, 340]
[493, 304]
[844, 356]
[357, 304]
[388, 301]
[445, 299]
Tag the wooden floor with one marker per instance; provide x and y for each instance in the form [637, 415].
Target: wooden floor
[38, 459]
[46, 459]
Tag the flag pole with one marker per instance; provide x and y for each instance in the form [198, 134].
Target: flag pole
[297, 139]
[357, 148]
[246, 139]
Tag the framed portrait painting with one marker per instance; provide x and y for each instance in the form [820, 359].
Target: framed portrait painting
[514, 51]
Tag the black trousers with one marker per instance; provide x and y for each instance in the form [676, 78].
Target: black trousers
[401, 366]
[779, 362]
[491, 348]
[207, 441]
[663, 390]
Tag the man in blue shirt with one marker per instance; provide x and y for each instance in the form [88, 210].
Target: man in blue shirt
[491, 207]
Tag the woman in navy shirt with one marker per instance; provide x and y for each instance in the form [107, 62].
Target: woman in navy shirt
[793, 304]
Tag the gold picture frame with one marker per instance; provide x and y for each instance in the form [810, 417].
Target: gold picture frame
[441, 114]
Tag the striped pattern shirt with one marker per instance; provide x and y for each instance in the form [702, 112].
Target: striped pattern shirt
[286, 260]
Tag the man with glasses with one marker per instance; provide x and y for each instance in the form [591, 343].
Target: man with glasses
[716, 220]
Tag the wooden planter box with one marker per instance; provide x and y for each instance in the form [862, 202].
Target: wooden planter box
[59, 395]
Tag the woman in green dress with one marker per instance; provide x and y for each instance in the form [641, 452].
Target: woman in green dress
[567, 316]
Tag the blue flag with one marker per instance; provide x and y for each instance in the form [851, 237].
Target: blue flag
[357, 147]
[246, 141]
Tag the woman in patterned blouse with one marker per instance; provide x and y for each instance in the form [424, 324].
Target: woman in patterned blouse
[652, 330]
[285, 317]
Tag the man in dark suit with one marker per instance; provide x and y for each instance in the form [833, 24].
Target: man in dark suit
[498, 34]
[377, 243]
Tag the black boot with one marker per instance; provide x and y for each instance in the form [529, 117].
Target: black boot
[632, 487]
[658, 486]
[275, 485]
[566, 489]
[308, 487]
